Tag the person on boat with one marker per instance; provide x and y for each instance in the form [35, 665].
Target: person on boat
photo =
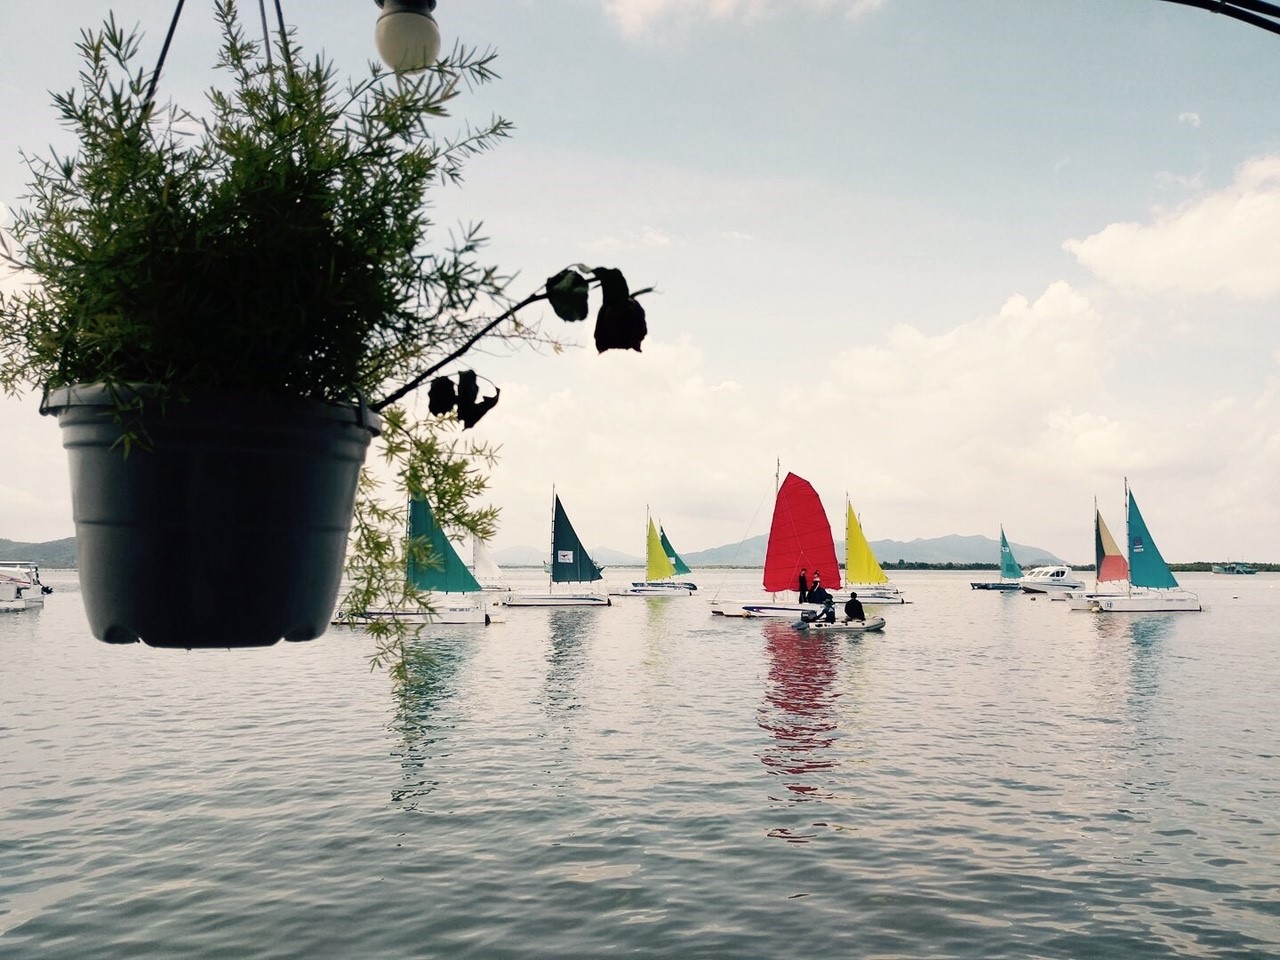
[853, 609]
[828, 610]
[818, 593]
[804, 586]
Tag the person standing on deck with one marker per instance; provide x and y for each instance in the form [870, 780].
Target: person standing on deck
[804, 586]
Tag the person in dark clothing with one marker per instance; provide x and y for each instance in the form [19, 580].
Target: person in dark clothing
[828, 610]
[853, 609]
[818, 593]
[804, 586]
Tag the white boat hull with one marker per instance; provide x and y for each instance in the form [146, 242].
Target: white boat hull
[557, 600]
[1143, 601]
[655, 588]
[876, 595]
[869, 625]
[763, 608]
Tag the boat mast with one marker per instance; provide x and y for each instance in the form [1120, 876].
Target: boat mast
[551, 568]
[1128, 540]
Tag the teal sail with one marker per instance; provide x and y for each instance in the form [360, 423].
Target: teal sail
[1009, 568]
[681, 568]
[570, 562]
[1146, 567]
[443, 570]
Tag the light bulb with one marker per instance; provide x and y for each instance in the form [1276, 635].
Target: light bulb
[406, 35]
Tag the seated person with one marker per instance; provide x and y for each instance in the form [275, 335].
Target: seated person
[853, 609]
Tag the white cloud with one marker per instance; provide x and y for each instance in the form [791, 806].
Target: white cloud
[1190, 118]
[1224, 242]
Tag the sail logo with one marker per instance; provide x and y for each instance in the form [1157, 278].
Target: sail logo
[1138, 545]
[564, 556]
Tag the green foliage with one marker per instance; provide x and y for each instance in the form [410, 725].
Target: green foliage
[277, 243]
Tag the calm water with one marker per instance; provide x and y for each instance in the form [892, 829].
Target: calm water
[993, 776]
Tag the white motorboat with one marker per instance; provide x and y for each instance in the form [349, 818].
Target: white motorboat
[1054, 580]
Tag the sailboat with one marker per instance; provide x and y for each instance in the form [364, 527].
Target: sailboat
[570, 563]
[863, 572]
[799, 539]
[1010, 571]
[454, 595]
[662, 565]
[1109, 564]
[1151, 585]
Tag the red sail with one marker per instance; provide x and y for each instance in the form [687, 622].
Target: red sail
[799, 538]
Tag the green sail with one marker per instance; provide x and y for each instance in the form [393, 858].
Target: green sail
[570, 562]
[443, 570]
[1146, 566]
[1008, 565]
[681, 569]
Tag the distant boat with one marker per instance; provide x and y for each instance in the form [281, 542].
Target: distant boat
[799, 539]
[1151, 585]
[453, 593]
[1010, 572]
[662, 565]
[1242, 569]
[485, 569]
[22, 579]
[569, 563]
[863, 572]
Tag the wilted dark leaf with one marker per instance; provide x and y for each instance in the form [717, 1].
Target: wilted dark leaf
[470, 410]
[441, 396]
[567, 292]
[620, 326]
[613, 286]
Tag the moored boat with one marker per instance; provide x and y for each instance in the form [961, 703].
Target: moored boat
[569, 564]
[1010, 571]
[799, 539]
[662, 566]
[863, 573]
[1053, 580]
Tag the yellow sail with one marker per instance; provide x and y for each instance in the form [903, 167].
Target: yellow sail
[861, 565]
[658, 565]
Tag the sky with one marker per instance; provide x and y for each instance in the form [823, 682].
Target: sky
[967, 264]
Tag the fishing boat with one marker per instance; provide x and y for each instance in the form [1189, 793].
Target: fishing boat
[1054, 580]
[820, 627]
[1110, 567]
[662, 566]
[799, 539]
[569, 564]
[25, 575]
[433, 568]
[1151, 585]
[863, 573]
[1010, 572]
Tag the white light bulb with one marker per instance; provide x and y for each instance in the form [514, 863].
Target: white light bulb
[407, 40]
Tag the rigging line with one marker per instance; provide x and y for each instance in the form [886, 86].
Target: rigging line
[266, 31]
[155, 76]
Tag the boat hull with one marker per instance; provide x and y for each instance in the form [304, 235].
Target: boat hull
[870, 625]
[655, 588]
[557, 600]
[764, 608]
[1054, 580]
[1146, 601]
[996, 585]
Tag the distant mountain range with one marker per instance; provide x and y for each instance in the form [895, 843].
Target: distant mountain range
[750, 553]
[52, 554]
[61, 554]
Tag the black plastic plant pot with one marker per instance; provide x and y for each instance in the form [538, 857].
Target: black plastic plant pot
[222, 522]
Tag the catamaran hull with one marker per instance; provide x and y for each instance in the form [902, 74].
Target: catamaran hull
[557, 600]
[1154, 601]
[655, 589]
[439, 615]
[870, 625]
[998, 585]
[879, 596]
[764, 608]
